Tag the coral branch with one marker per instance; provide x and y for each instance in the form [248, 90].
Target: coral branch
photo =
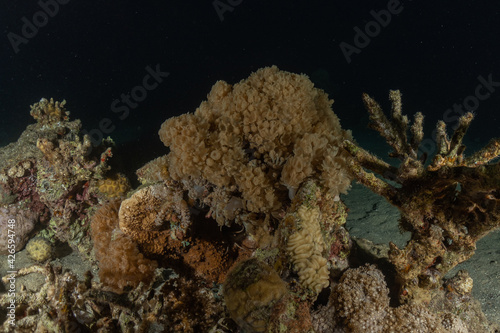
[456, 147]
[447, 206]
[485, 155]
[363, 159]
[375, 184]
[394, 132]
[400, 121]
[368, 160]
[417, 131]
[450, 151]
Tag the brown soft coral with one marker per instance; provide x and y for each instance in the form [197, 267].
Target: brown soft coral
[259, 139]
[120, 262]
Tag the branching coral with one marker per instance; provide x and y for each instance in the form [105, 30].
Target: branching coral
[47, 112]
[447, 206]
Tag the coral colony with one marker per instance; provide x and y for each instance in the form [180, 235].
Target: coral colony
[240, 227]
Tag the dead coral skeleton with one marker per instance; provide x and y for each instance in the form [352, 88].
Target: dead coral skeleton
[447, 205]
[65, 304]
[50, 307]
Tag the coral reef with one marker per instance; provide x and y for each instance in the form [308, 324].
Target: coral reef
[447, 205]
[243, 157]
[50, 172]
[240, 227]
[360, 303]
[120, 262]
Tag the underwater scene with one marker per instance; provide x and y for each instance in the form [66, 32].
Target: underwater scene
[256, 167]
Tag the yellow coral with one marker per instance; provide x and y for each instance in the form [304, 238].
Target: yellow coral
[39, 249]
[115, 186]
[250, 290]
[305, 247]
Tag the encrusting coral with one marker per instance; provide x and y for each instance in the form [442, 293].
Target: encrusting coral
[447, 205]
[121, 264]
